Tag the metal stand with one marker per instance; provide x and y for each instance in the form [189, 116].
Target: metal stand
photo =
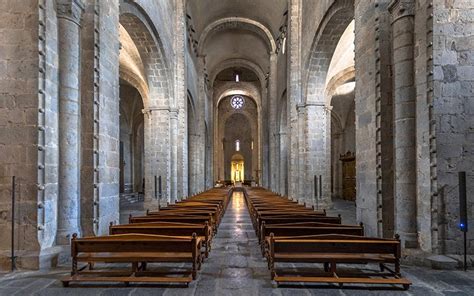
[156, 192]
[316, 192]
[463, 221]
[465, 250]
[160, 191]
[13, 257]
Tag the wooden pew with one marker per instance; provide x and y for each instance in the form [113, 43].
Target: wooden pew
[333, 249]
[165, 228]
[295, 218]
[189, 212]
[173, 218]
[304, 231]
[136, 249]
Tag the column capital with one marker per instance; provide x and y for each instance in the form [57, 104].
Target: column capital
[300, 107]
[71, 10]
[174, 113]
[401, 8]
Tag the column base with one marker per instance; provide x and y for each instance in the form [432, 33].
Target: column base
[36, 260]
[409, 240]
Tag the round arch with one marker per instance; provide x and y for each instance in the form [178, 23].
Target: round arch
[237, 22]
[244, 63]
[337, 80]
[333, 25]
[145, 37]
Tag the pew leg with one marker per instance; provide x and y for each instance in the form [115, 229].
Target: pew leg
[326, 267]
[143, 267]
[91, 265]
[194, 270]
[65, 284]
[74, 266]
[382, 268]
[272, 268]
[397, 268]
[333, 267]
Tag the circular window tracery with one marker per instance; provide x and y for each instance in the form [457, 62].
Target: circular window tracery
[237, 102]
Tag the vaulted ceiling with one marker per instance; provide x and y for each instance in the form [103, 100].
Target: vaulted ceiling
[230, 29]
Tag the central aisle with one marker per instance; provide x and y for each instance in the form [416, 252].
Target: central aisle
[235, 266]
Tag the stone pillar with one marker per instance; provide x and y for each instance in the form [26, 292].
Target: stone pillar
[404, 121]
[202, 154]
[69, 17]
[301, 142]
[317, 151]
[283, 186]
[294, 92]
[173, 156]
[273, 166]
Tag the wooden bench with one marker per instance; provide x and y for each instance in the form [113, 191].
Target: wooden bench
[303, 232]
[295, 218]
[189, 212]
[192, 219]
[176, 229]
[334, 249]
[136, 249]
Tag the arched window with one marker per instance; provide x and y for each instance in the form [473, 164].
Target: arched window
[237, 145]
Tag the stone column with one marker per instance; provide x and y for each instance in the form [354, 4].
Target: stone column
[273, 167]
[69, 17]
[283, 189]
[404, 121]
[317, 151]
[201, 117]
[301, 142]
[173, 155]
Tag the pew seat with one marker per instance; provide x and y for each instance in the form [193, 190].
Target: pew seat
[334, 249]
[136, 249]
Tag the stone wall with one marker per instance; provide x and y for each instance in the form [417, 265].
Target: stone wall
[28, 130]
[453, 112]
[365, 115]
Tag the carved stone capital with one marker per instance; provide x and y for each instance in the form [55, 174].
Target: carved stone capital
[71, 10]
[401, 8]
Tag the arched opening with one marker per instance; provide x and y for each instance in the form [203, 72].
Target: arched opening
[340, 96]
[330, 53]
[237, 113]
[141, 54]
[238, 130]
[131, 178]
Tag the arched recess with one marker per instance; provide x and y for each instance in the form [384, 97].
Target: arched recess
[158, 103]
[237, 22]
[244, 134]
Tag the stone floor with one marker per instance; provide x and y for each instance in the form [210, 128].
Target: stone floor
[235, 267]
